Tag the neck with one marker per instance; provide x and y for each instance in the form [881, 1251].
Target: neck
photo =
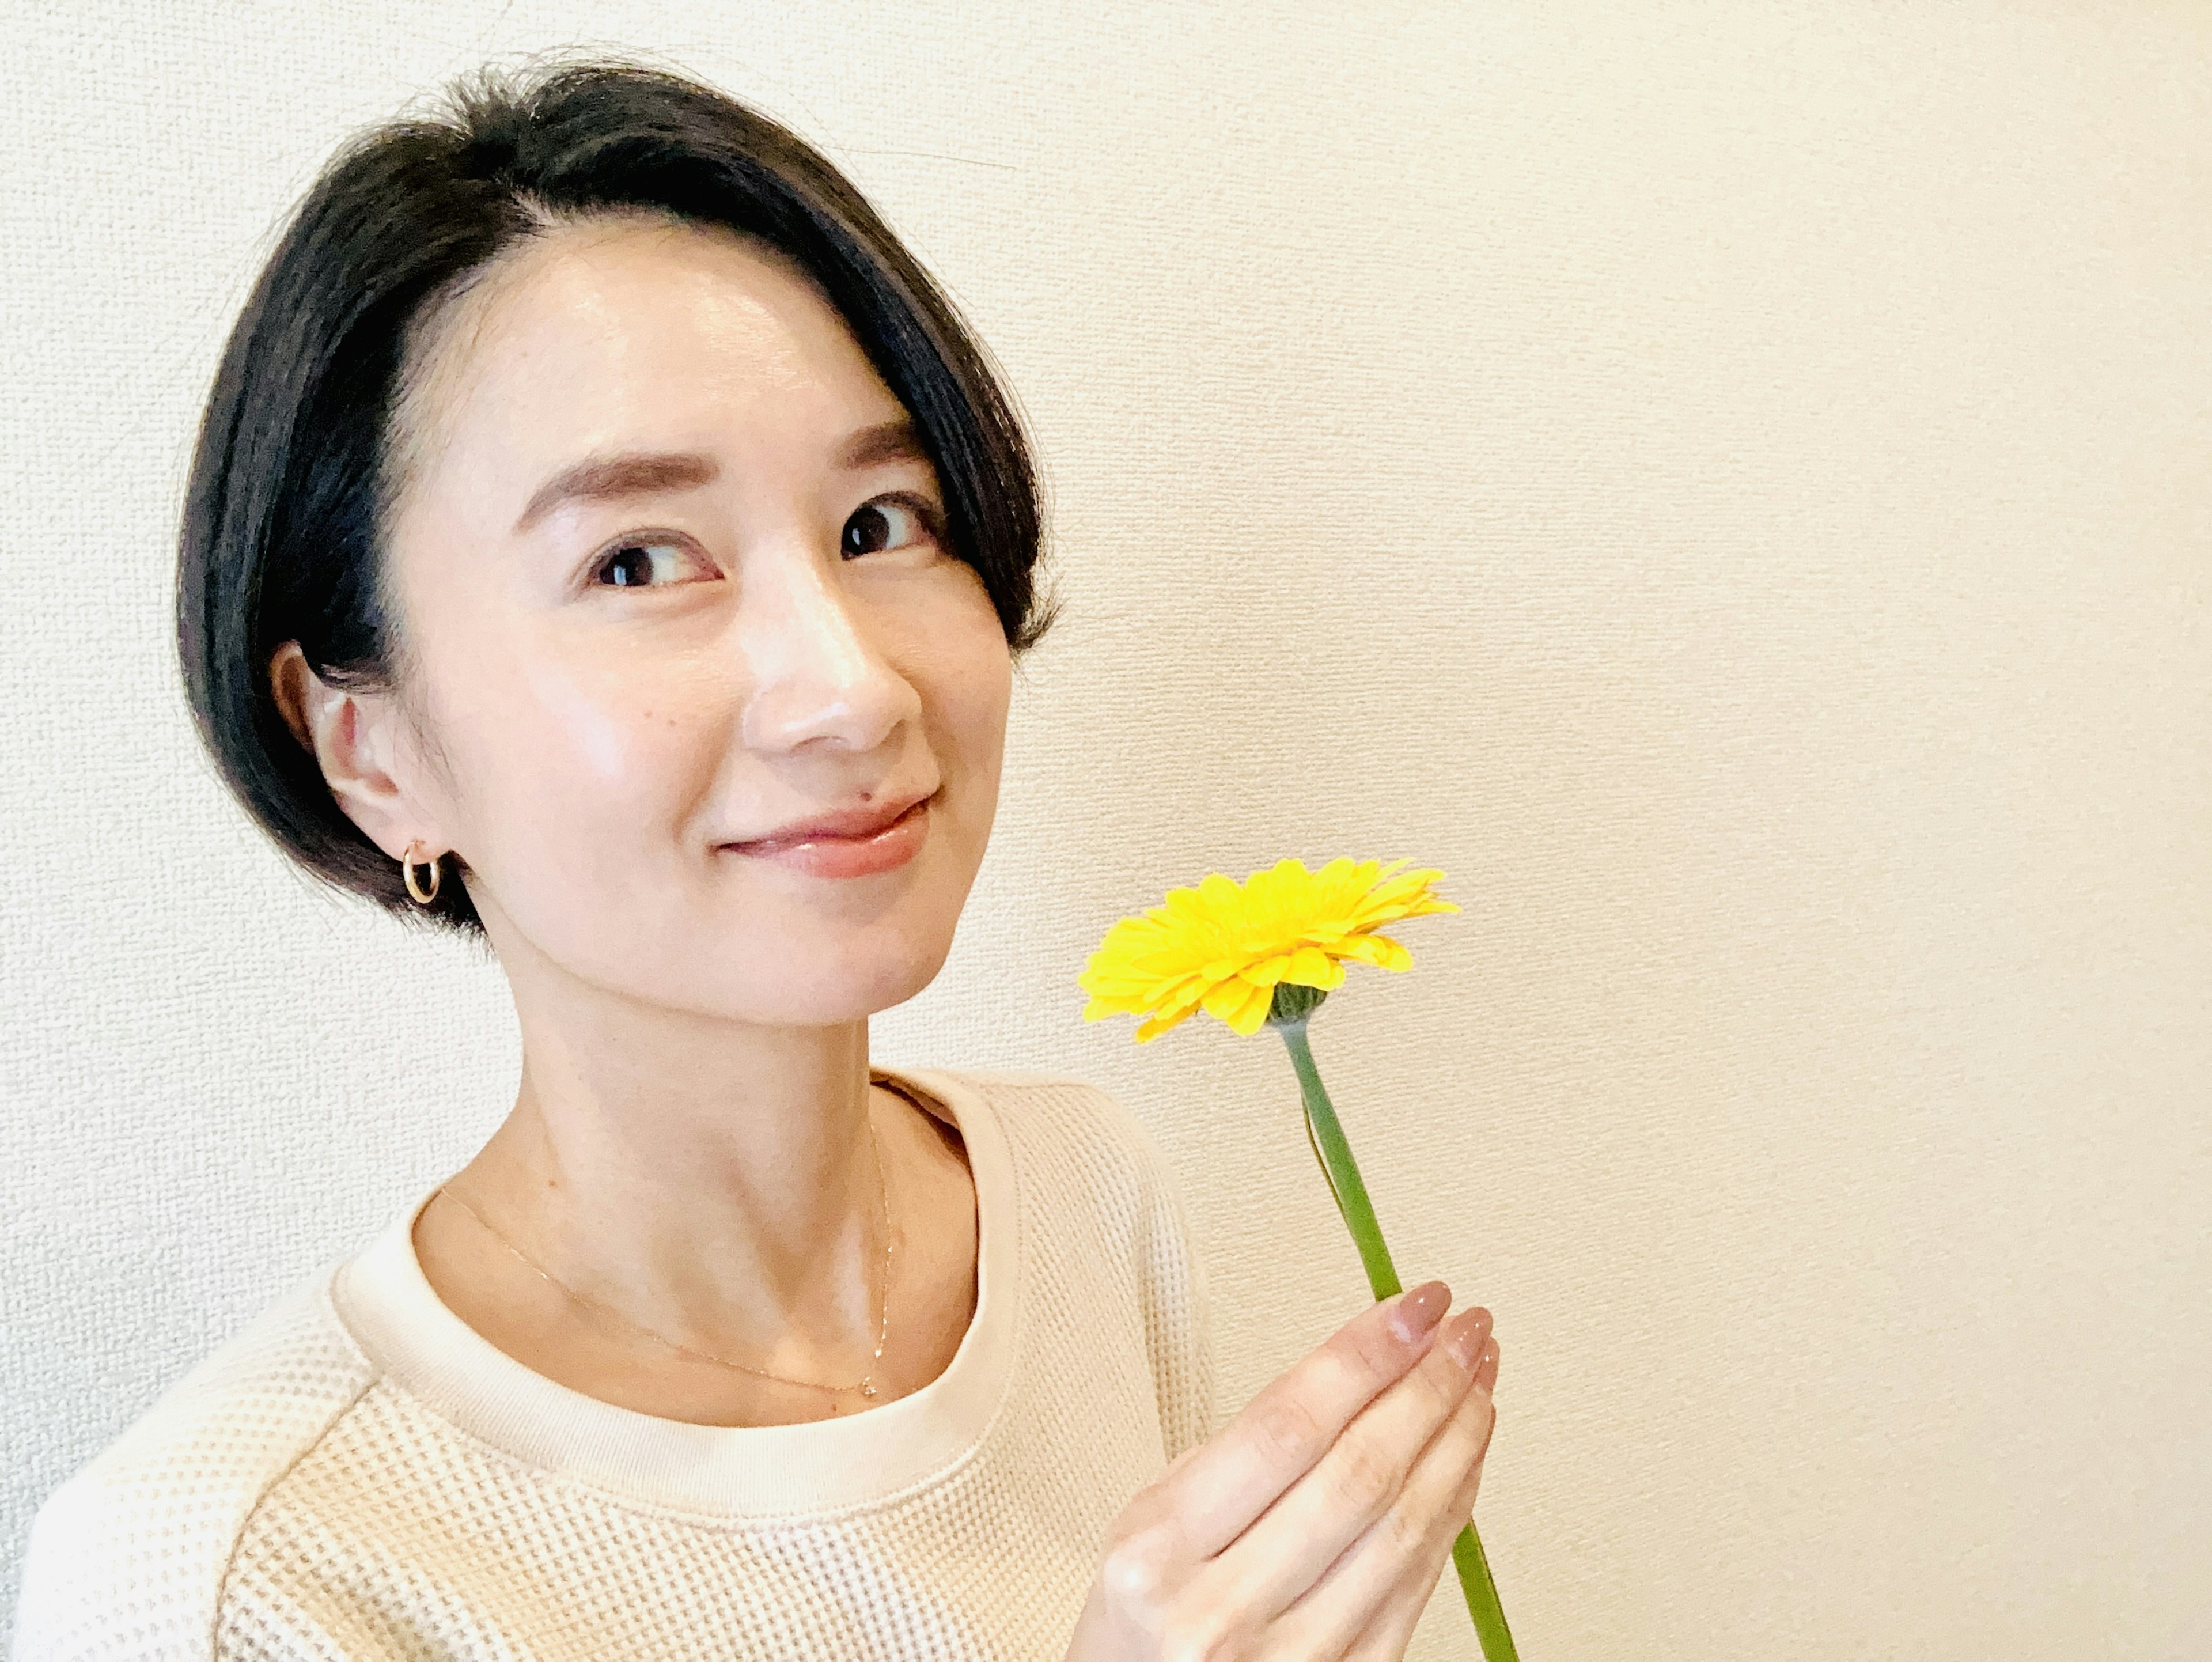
[715, 1180]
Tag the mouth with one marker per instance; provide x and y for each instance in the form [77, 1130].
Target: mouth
[859, 852]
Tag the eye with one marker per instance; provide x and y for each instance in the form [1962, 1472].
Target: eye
[642, 563]
[885, 523]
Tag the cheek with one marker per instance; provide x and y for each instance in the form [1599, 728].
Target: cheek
[971, 693]
[639, 739]
[599, 736]
[577, 763]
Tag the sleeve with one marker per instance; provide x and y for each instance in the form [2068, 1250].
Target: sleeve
[1086, 1146]
[1187, 1381]
[127, 1560]
[1177, 1297]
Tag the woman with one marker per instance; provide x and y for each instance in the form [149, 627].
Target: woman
[605, 539]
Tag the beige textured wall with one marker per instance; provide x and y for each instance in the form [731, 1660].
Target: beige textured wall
[1728, 483]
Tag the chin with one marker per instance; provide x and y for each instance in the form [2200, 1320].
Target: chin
[751, 956]
[828, 1000]
[810, 984]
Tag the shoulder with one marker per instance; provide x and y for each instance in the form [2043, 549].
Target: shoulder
[1091, 1182]
[1083, 1158]
[129, 1557]
[1057, 1117]
[1119, 1213]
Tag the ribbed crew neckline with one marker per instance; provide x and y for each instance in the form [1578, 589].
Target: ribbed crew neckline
[819, 1466]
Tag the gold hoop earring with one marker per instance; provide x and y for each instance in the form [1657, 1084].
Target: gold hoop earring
[423, 897]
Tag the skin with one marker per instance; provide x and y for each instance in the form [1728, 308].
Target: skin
[689, 1140]
[692, 1147]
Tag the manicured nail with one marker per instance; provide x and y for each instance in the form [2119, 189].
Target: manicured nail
[1420, 1309]
[1464, 1339]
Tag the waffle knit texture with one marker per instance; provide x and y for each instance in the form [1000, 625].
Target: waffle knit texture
[359, 1475]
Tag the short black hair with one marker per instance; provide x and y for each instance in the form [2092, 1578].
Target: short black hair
[289, 482]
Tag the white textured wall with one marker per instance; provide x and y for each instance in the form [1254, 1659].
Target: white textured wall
[1730, 483]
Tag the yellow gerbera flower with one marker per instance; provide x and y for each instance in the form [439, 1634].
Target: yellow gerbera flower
[1221, 946]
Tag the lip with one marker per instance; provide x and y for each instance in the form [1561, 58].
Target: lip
[855, 843]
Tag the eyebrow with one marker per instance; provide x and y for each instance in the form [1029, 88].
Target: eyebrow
[639, 474]
[895, 439]
[605, 479]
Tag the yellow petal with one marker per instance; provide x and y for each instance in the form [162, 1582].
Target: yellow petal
[1218, 890]
[1378, 950]
[1152, 1029]
[1225, 998]
[1252, 1015]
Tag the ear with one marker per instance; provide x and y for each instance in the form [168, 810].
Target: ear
[354, 737]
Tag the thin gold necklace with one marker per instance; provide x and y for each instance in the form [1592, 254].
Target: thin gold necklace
[866, 1386]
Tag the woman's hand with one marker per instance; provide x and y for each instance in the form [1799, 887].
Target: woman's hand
[1316, 1523]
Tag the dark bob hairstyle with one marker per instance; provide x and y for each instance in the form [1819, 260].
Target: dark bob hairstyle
[290, 481]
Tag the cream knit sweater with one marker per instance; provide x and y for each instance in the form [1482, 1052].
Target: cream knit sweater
[360, 1475]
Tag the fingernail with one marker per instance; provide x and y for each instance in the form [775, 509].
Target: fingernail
[1420, 1309]
[1463, 1340]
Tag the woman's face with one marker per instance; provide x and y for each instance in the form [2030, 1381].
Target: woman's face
[669, 568]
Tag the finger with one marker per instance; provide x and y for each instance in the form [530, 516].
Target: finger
[1463, 1508]
[1411, 1539]
[1390, 1620]
[1486, 1371]
[1359, 1481]
[1236, 1475]
[1392, 1627]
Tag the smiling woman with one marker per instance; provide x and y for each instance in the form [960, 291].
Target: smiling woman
[605, 539]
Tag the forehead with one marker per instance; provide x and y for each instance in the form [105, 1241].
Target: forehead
[630, 331]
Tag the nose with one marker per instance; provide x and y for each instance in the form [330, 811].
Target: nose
[817, 677]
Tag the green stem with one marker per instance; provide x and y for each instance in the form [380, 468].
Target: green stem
[1328, 1138]
[1343, 1172]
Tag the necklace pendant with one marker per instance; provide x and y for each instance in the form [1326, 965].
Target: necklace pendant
[867, 1387]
